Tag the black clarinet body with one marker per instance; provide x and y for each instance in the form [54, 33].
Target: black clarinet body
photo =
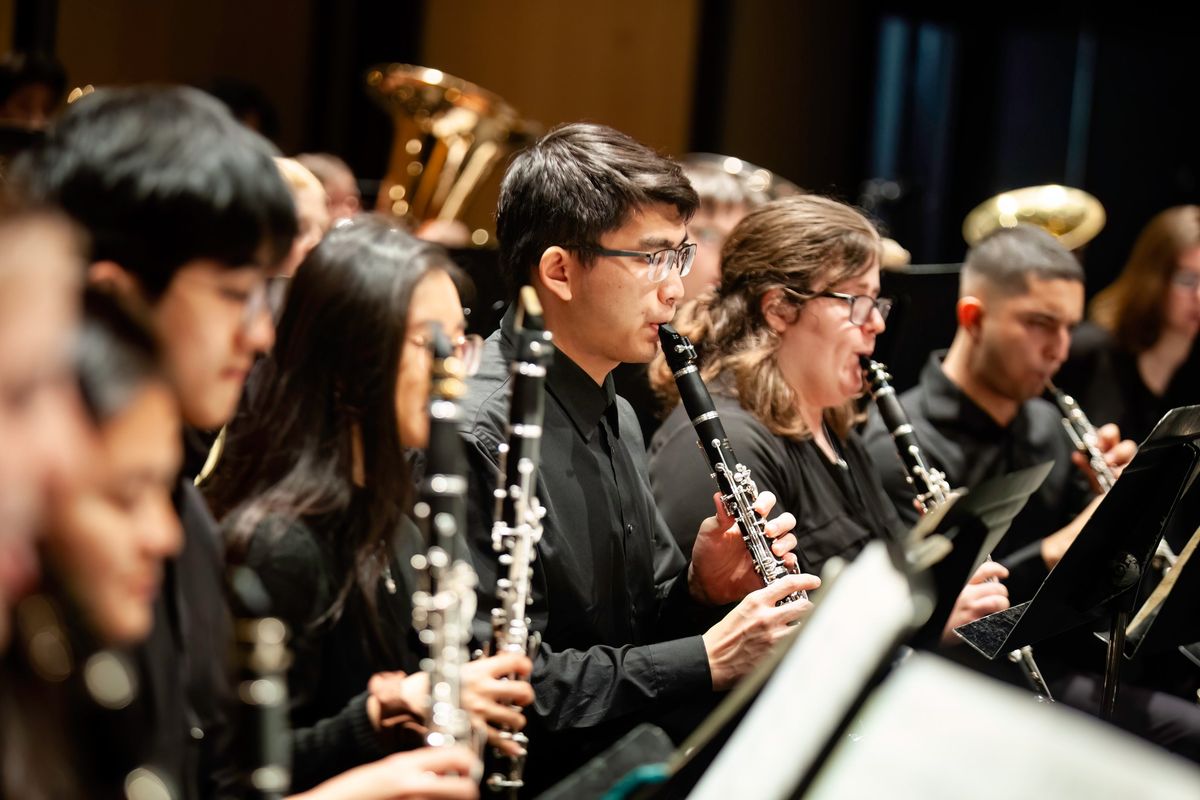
[737, 488]
[445, 605]
[928, 484]
[518, 528]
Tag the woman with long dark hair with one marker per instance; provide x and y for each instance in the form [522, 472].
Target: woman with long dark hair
[315, 486]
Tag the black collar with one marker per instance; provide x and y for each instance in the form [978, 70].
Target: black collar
[947, 405]
[584, 401]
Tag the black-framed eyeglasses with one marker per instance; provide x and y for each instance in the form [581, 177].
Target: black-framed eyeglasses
[658, 263]
[861, 305]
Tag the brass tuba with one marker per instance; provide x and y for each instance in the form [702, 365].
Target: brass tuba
[1072, 215]
[449, 136]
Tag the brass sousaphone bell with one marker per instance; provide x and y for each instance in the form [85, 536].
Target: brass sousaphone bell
[449, 136]
[1073, 216]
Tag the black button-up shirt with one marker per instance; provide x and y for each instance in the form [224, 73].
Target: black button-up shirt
[610, 593]
[962, 440]
[838, 509]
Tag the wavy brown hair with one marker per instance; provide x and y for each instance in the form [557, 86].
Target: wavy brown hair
[806, 244]
[1131, 308]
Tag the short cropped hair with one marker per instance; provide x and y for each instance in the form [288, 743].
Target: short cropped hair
[575, 184]
[159, 177]
[1006, 258]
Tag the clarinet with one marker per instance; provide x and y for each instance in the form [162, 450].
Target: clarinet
[738, 490]
[1083, 435]
[930, 485]
[444, 607]
[518, 517]
[262, 660]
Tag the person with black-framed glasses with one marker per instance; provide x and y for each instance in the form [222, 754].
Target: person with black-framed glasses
[782, 339]
[630, 632]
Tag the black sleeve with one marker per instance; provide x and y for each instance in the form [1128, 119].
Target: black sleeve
[288, 561]
[581, 688]
[681, 476]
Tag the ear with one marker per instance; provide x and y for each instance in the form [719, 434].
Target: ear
[112, 276]
[554, 272]
[969, 312]
[778, 313]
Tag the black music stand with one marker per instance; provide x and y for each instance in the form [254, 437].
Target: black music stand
[1099, 573]
[1167, 618]
[973, 524]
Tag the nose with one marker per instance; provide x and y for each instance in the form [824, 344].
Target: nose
[1060, 345]
[670, 291]
[875, 323]
[162, 534]
[258, 335]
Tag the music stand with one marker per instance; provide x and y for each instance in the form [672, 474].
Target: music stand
[1100, 571]
[974, 524]
[789, 712]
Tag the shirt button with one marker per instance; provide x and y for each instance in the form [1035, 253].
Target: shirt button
[629, 530]
[197, 733]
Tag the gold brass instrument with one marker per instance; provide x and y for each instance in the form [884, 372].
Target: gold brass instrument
[449, 136]
[1073, 216]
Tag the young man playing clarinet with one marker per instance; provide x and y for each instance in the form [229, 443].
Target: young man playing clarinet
[595, 222]
[978, 413]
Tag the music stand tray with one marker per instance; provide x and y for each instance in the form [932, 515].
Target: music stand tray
[1100, 571]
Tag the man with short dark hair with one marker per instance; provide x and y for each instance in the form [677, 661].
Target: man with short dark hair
[978, 413]
[187, 213]
[595, 222]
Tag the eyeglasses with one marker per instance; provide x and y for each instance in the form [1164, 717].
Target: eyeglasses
[265, 295]
[468, 349]
[861, 305]
[658, 263]
[1185, 279]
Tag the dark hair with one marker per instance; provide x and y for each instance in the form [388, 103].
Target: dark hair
[115, 355]
[248, 104]
[160, 176]
[1007, 257]
[575, 184]
[1131, 308]
[18, 70]
[334, 369]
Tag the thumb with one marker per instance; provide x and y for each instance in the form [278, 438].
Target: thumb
[725, 520]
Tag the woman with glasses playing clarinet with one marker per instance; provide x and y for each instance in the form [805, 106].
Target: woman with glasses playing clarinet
[781, 341]
[315, 492]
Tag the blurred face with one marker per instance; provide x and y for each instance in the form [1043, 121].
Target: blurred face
[819, 352]
[435, 299]
[31, 106]
[212, 322]
[709, 229]
[312, 217]
[43, 436]
[615, 307]
[344, 200]
[109, 535]
[1021, 341]
[1182, 312]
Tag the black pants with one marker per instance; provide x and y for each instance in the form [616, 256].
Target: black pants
[1162, 718]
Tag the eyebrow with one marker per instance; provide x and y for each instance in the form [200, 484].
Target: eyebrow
[662, 243]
